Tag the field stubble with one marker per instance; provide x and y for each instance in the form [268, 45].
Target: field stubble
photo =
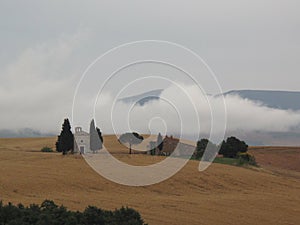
[222, 194]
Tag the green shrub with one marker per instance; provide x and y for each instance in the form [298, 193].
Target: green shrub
[246, 158]
[226, 161]
[46, 149]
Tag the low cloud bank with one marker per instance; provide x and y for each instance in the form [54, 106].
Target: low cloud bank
[37, 88]
[180, 108]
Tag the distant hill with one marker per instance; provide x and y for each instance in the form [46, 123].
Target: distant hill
[143, 98]
[23, 133]
[286, 100]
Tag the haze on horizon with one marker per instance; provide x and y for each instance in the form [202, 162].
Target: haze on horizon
[46, 46]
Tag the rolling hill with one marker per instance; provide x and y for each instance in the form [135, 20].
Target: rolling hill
[222, 194]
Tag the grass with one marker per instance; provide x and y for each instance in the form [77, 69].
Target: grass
[227, 161]
[235, 162]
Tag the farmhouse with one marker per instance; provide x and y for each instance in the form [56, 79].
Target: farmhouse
[169, 146]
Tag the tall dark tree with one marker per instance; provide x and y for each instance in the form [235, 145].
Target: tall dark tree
[205, 145]
[95, 141]
[65, 141]
[159, 142]
[200, 148]
[131, 139]
[232, 146]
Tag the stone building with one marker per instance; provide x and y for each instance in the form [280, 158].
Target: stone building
[169, 146]
[82, 141]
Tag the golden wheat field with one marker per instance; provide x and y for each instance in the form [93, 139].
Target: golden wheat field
[222, 194]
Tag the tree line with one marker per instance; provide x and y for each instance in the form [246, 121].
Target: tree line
[232, 147]
[229, 148]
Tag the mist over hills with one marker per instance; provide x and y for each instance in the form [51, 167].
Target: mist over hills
[285, 100]
[143, 98]
[274, 100]
[23, 133]
[282, 100]
[285, 103]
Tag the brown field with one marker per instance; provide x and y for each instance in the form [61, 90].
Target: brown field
[220, 195]
[287, 158]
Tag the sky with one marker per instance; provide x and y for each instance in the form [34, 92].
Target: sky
[46, 47]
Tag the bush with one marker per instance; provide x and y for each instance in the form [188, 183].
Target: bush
[51, 214]
[246, 158]
[46, 149]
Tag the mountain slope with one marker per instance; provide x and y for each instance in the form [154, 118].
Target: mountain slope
[286, 100]
[143, 98]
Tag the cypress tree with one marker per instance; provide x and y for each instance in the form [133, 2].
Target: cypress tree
[159, 142]
[95, 141]
[65, 141]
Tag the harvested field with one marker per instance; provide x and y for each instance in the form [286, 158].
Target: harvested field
[222, 194]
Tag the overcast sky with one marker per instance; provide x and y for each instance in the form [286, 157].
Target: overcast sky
[47, 45]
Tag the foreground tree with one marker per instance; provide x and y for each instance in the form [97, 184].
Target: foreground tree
[131, 139]
[95, 139]
[65, 141]
[232, 146]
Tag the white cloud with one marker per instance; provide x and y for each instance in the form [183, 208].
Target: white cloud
[247, 44]
[36, 89]
[177, 111]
